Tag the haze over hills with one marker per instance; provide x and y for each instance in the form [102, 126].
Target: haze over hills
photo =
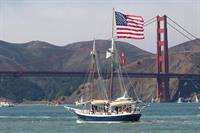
[42, 56]
[37, 55]
[190, 46]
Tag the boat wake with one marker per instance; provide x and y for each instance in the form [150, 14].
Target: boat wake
[25, 117]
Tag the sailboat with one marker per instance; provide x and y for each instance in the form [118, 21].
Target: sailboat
[121, 109]
[100, 103]
[196, 99]
[153, 100]
[179, 100]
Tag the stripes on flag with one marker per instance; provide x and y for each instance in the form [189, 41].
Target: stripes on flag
[129, 26]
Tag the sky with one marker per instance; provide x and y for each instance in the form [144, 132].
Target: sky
[62, 22]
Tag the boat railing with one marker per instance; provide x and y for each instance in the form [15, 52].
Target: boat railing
[102, 112]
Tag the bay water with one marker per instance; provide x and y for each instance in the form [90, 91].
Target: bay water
[156, 118]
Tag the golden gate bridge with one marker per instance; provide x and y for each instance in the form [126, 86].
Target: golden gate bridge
[162, 75]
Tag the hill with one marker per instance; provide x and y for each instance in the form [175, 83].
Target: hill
[42, 56]
[183, 58]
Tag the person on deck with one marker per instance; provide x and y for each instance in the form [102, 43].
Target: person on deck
[117, 109]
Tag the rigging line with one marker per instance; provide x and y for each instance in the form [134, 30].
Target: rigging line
[194, 84]
[121, 81]
[99, 75]
[182, 28]
[106, 79]
[179, 31]
[131, 84]
[197, 85]
[85, 77]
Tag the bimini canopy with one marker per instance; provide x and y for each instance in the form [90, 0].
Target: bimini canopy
[121, 103]
[99, 102]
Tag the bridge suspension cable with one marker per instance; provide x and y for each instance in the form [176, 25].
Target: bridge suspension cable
[179, 31]
[191, 38]
[182, 27]
[150, 21]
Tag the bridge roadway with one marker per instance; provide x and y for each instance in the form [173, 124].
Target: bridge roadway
[82, 74]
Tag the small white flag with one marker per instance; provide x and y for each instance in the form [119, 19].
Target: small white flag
[108, 54]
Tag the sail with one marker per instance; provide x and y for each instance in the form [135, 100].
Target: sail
[196, 99]
[179, 100]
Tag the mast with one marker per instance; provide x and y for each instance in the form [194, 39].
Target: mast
[93, 69]
[112, 57]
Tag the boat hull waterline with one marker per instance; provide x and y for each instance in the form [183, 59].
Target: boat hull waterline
[126, 117]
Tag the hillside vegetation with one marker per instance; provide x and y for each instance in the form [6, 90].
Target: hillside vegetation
[42, 56]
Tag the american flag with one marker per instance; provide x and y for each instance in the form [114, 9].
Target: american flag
[129, 26]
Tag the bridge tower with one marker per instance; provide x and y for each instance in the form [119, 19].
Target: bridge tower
[162, 60]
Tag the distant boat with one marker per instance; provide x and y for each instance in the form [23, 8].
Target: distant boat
[196, 99]
[6, 104]
[55, 103]
[179, 100]
[188, 101]
[153, 100]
